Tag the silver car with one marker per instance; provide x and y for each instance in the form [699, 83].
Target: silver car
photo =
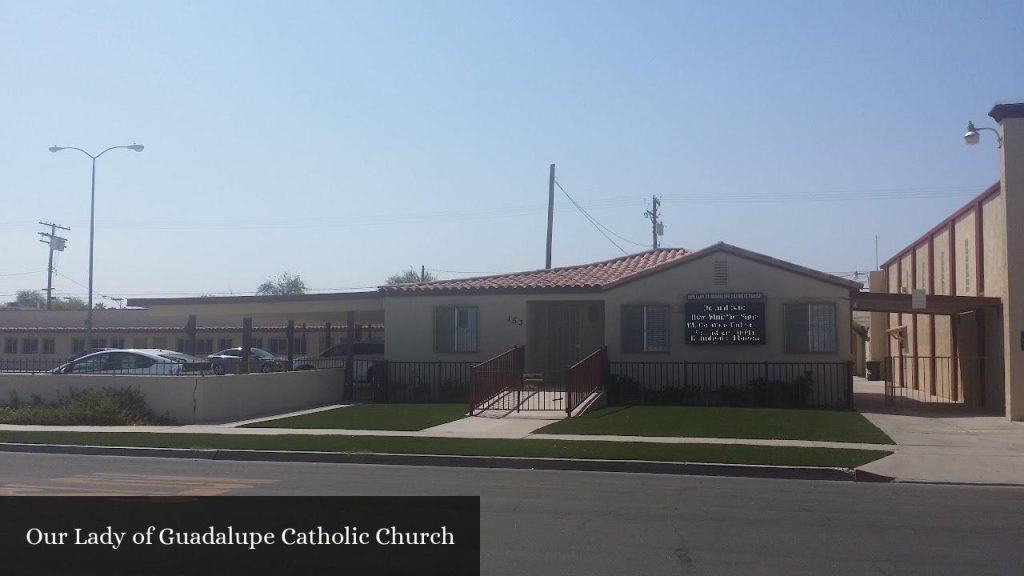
[131, 361]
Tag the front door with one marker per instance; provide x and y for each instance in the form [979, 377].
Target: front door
[563, 341]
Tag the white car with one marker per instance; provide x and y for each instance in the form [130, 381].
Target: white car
[131, 361]
[364, 354]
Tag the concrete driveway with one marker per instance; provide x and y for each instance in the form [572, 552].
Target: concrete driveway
[943, 444]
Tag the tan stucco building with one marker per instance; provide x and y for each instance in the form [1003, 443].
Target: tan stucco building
[719, 304]
[963, 341]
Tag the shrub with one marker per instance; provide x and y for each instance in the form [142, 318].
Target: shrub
[107, 407]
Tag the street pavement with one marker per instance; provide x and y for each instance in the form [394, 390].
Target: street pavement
[586, 523]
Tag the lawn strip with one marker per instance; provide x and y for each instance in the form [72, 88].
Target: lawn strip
[576, 449]
[372, 417]
[724, 422]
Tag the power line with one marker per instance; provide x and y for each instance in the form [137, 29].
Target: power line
[600, 227]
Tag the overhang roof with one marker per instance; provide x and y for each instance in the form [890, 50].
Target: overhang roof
[934, 303]
[149, 302]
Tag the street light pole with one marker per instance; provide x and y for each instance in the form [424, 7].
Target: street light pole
[92, 223]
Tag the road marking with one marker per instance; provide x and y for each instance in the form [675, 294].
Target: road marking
[119, 484]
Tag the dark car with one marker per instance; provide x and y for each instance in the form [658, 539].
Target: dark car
[229, 360]
[363, 355]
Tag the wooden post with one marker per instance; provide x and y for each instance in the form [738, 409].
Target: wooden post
[551, 214]
[243, 365]
[289, 334]
[350, 320]
[327, 336]
[190, 335]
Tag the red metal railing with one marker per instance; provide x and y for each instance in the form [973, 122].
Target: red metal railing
[584, 378]
[493, 377]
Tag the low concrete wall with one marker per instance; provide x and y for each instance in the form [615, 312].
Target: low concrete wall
[195, 399]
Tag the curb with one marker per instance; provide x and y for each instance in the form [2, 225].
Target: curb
[499, 462]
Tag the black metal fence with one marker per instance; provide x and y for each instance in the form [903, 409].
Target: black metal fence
[401, 382]
[938, 379]
[778, 384]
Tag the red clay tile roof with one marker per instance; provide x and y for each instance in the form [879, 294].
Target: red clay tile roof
[584, 277]
[598, 276]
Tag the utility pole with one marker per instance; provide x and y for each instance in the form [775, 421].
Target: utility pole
[657, 228]
[423, 273]
[551, 214]
[55, 243]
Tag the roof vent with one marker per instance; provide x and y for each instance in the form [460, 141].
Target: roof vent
[721, 274]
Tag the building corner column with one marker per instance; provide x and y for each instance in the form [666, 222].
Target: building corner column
[1011, 288]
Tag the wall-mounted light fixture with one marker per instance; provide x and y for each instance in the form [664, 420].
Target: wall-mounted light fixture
[972, 137]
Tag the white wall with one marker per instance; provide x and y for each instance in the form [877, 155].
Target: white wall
[195, 400]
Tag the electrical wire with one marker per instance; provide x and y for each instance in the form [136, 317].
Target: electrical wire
[590, 218]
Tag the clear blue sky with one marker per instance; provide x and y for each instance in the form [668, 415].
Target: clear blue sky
[347, 141]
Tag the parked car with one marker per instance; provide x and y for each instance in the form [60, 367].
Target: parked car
[89, 351]
[131, 361]
[364, 353]
[229, 360]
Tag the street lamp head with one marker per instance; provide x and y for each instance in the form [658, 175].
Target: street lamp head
[136, 147]
[55, 148]
[971, 137]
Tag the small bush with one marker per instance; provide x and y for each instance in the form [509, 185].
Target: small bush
[108, 407]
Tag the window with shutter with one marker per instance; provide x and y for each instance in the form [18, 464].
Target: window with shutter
[645, 329]
[455, 329]
[810, 328]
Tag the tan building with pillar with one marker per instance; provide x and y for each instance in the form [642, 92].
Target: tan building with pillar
[961, 339]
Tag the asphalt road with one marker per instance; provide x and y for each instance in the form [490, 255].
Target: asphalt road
[587, 523]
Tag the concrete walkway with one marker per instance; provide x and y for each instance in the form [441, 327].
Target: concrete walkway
[943, 444]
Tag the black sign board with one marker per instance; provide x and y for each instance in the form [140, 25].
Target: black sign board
[725, 321]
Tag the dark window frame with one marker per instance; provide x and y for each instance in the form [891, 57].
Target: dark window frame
[473, 336]
[627, 346]
[793, 346]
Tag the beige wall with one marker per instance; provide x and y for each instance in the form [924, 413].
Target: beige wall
[979, 379]
[410, 318]
[779, 287]
[1012, 286]
[195, 400]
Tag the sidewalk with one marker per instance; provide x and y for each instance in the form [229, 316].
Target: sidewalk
[930, 447]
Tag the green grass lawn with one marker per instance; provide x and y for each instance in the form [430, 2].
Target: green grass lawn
[706, 453]
[722, 422]
[373, 417]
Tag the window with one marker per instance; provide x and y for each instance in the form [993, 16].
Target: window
[77, 345]
[810, 328]
[204, 345]
[98, 343]
[455, 328]
[117, 342]
[224, 344]
[645, 329]
[277, 346]
[29, 346]
[49, 346]
[256, 343]
[11, 346]
[139, 342]
[299, 345]
[182, 345]
[160, 343]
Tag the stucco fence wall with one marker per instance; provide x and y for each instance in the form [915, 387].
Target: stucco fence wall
[195, 399]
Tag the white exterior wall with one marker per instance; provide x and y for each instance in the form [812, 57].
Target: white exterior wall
[194, 400]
